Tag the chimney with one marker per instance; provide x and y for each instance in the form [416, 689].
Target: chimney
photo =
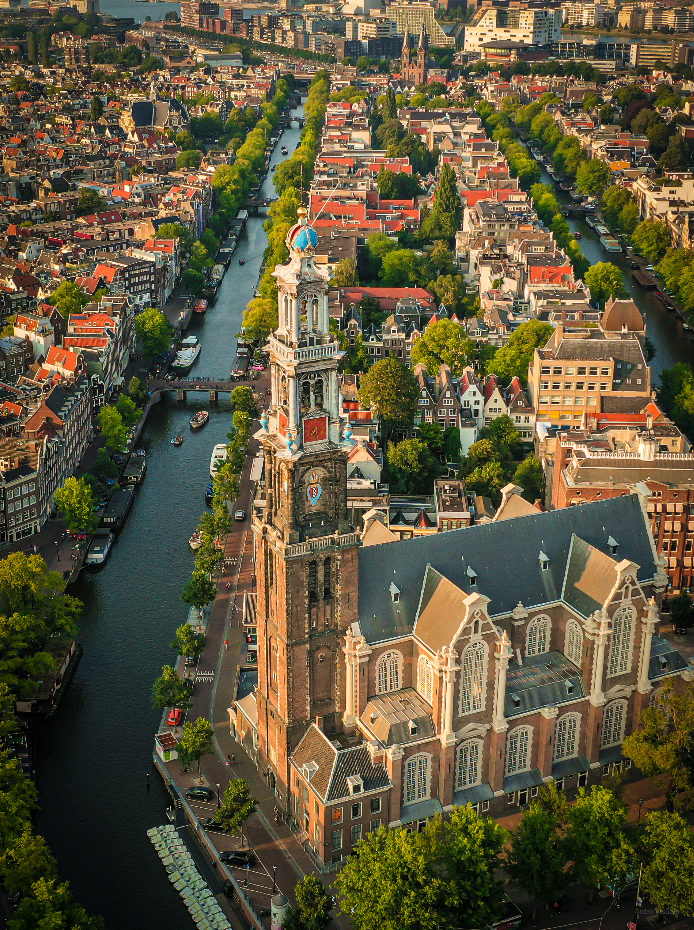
[319, 722]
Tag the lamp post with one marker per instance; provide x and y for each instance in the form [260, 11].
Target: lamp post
[274, 879]
[640, 806]
[219, 803]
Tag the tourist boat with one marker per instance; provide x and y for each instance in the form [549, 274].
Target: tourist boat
[200, 419]
[242, 261]
[195, 540]
[200, 307]
[186, 355]
[177, 441]
[219, 457]
[99, 549]
[284, 150]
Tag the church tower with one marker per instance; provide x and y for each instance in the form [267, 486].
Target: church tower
[306, 550]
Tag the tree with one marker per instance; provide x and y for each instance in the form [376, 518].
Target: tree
[412, 465]
[606, 114]
[652, 239]
[345, 274]
[75, 501]
[196, 741]
[530, 477]
[400, 268]
[443, 343]
[194, 281]
[444, 219]
[313, 906]
[242, 399]
[390, 108]
[32, 50]
[113, 428]
[25, 861]
[605, 280]
[593, 178]
[128, 410]
[200, 591]
[136, 391]
[176, 231]
[96, 110]
[666, 876]
[390, 389]
[663, 746]
[535, 861]
[487, 481]
[153, 331]
[89, 202]
[259, 319]
[682, 611]
[68, 298]
[189, 159]
[169, 690]
[187, 642]
[104, 467]
[513, 359]
[237, 806]
[595, 840]
[674, 158]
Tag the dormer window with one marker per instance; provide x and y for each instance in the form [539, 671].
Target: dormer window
[613, 544]
[516, 699]
[544, 562]
[310, 769]
[412, 726]
[355, 783]
[394, 593]
[569, 687]
[472, 576]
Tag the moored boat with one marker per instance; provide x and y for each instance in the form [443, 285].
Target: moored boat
[219, 457]
[217, 274]
[200, 419]
[195, 540]
[186, 355]
[99, 549]
[177, 441]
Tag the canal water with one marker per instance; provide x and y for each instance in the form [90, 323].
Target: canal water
[664, 329]
[93, 757]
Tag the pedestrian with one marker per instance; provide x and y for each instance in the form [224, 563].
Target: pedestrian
[228, 760]
[226, 644]
[228, 586]
[233, 758]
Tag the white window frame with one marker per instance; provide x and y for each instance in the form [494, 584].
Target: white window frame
[473, 677]
[389, 672]
[614, 717]
[566, 737]
[519, 750]
[468, 766]
[622, 641]
[417, 778]
[425, 679]
[538, 637]
[573, 642]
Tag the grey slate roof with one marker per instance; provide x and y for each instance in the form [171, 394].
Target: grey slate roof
[590, 576]
[664, 660]
[504, 557]
[335, 764]
[540, 682]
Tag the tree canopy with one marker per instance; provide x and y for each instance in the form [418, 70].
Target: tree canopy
[513, 359]
[153, 331]
[390, 389]
[75, 501]
[443, 343]
[605, 280]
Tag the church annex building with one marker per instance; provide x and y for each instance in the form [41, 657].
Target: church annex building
[470, 666]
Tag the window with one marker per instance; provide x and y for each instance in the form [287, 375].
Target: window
[538, 636]
[417, 779]
[468, 768]
[389, 672]
[337, 840]
[375, 805]
[316, 833]
[374, 825]
[337, 815]
[425, 679]
[573, 643]
[316, 808]
[355, 834]
[613, 721]
[582, 780]
[356, 810]
[473, 662]
[566, 740]
[518, 750]
[620, 650]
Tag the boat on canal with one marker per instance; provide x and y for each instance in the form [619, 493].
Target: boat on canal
[209, 494]
[117, 509]
[99, 549]
[242, 261]
[186, 355]
[195, 540]
[220, 455]
[177, 441]
[200, 419]
[217, 274]
[134, 471]
[285, 150]
[610, 244]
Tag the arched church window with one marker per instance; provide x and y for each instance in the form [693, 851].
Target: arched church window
[305, 394]
[318, 392]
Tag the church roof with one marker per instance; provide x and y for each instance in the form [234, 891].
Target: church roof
[503, 559]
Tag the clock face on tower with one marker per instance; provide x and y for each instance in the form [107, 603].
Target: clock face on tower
[315, 429]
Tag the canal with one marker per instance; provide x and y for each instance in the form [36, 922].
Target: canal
[93, 758]
[672, 343]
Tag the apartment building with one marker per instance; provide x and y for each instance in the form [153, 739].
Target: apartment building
[531, 26]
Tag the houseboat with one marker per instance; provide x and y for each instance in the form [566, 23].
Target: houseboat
[66, 654]
[217, 274]
[200, 419]
[117, 509]
[186, 355]
[99, 549]
[134, 471]
[219, 457]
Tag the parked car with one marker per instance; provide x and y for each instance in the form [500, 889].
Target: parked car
[240, 515]
[120, 459]
[211, 824]
[175, 718]
[633, 264]
[199, 793]
[238, 857]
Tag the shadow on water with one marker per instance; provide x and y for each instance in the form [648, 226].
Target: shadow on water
[92, 759]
